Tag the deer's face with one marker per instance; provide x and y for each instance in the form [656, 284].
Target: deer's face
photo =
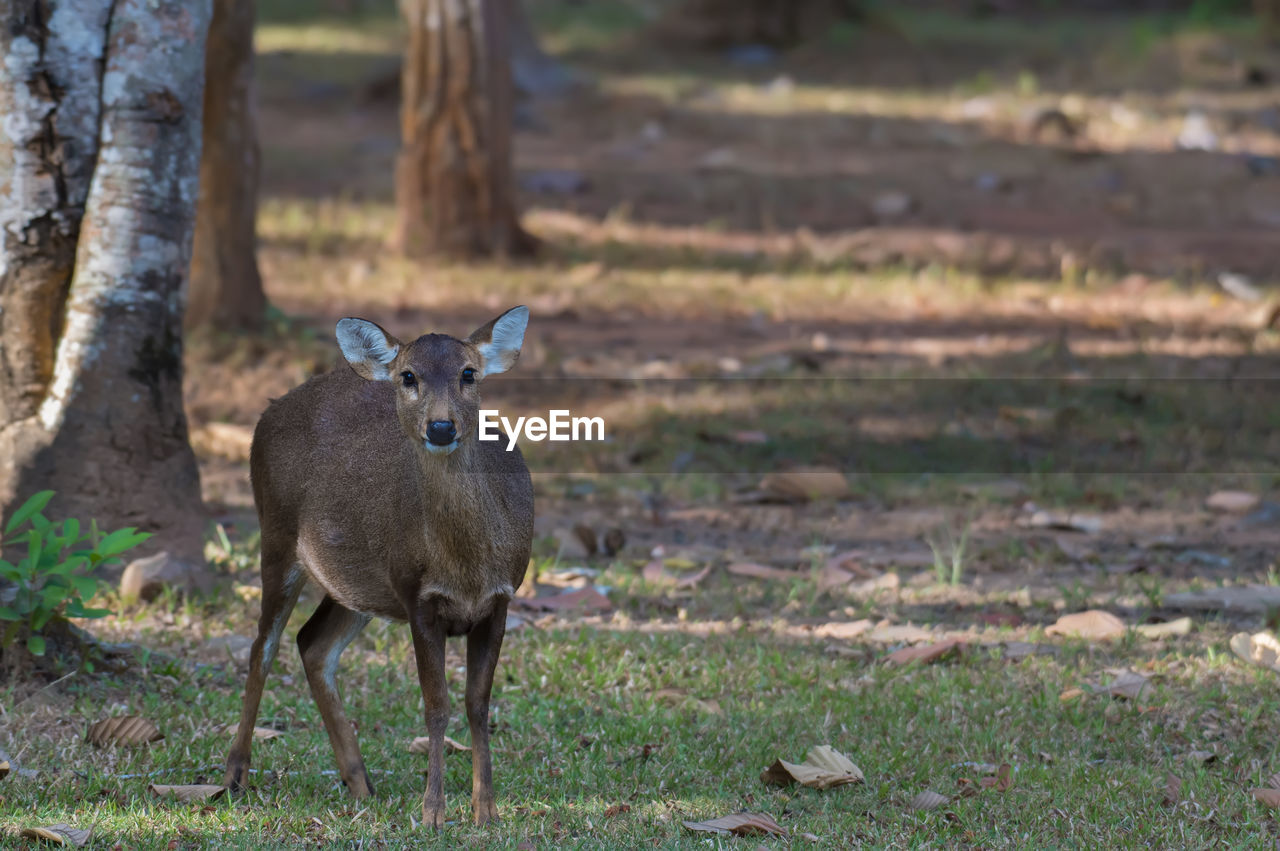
[436, 377]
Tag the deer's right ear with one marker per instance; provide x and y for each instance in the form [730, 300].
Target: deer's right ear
[368, 348]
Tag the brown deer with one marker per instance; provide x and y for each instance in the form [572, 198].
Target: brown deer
[371, 481]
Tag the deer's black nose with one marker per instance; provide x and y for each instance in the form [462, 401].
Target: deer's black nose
[441, 433]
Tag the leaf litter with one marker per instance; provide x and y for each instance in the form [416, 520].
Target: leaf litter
[1091, 625]
[739, 824]
[59, 834]
[824, 767]
[123, 730]
[194, 792]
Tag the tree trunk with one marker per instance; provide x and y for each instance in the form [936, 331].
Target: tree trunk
[1268, 12]
[455, 191]
[226, 288]
[100, 101]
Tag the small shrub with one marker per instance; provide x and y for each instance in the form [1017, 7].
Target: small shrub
[53, 578]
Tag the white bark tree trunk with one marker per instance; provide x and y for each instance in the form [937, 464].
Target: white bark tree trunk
[102, 421]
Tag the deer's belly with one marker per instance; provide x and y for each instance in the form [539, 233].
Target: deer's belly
[355, 582]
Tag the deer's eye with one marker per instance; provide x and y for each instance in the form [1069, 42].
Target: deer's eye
[408, 379]
[468, 376]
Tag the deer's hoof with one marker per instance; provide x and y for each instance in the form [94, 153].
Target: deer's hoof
[237, 775]
[358, 783]
[433, 814]
[484, 811]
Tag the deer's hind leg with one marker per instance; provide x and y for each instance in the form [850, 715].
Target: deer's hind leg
[282, 580]
[321, 642]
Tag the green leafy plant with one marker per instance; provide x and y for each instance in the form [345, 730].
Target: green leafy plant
[949, 553]
[54, 577]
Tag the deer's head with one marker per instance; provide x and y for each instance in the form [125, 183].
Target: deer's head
[436, 377]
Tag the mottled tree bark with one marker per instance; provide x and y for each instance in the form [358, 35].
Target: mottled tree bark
[455, 191]
[100, 108]
[226, 287]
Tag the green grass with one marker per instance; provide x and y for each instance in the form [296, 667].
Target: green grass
[580, 728]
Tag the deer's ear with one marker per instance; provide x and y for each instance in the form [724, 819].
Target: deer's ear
[499, 341]
[368, 348]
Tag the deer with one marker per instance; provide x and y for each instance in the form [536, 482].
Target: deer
[370, 481]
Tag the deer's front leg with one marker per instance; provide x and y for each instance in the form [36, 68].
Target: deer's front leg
[428, 648]
[483, 645]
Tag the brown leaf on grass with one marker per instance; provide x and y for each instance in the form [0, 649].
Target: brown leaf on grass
[762, 571]
[616, 810]
[422, 745]
[1070, 694]
[850, 561]
[1261, 648]
[1093, 625]
[123, 730]
[739, 824]
[843, 629]
[196, 792]
[1001, 782]
[894, 633]
[1172, 789]
[60, 834]
[928, 800]
[812, 483]
[1273, 781]
[1267, 797]
[824, 767]
[1180, 626]
[581, 600]
[1128, 685]
[925, 653]
[4, 768]
[1233, 502]
[655, 573]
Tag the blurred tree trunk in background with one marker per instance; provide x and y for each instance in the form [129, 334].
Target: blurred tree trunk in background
[774, 22]
[100, 101]
[536, 74]
[226, 288]
[455, 191]
[1268, 12]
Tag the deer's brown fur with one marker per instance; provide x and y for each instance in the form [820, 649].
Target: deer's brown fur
[350, 494]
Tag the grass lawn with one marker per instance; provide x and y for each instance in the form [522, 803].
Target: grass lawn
[611, 733]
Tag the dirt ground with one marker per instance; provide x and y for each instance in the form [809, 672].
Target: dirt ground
[942, 252]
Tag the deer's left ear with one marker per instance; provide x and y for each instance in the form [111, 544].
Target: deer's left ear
[499, 341]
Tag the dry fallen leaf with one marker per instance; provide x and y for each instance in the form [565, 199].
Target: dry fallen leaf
[422, 745]
[1002, 781]
[1181, 626]
[895, 633]
[4, 768]
[62, 834]
[1261, 648]
[655, 573]
[197, 792]
[1267, 797]
[842, 629]
[123, 730]
[925, 653]
[1129, 685]
[261, 733]
[739, 824]
[928, 800]
[1067, 522]
[824, 767]
[762, 571]
[1172, 789]
[1070, 694]
[583, 600]
[1095, 624]
[616, 810]
[1233, 502]
[812, 483]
